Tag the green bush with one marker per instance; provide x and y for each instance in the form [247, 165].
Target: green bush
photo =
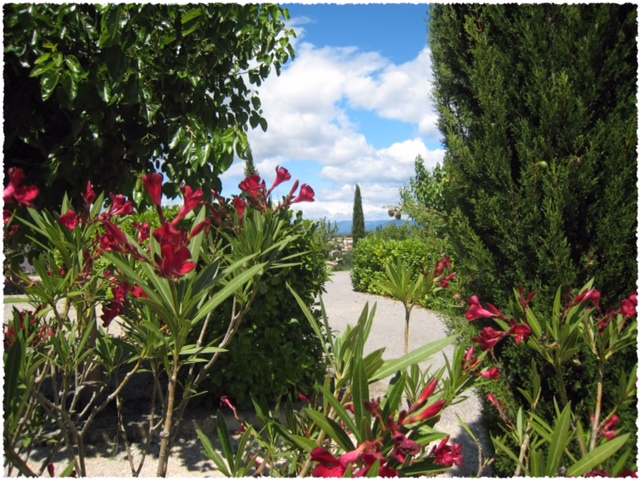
[373, 254]
[275, 351]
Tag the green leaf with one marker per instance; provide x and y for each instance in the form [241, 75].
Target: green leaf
[332, 429]
[225, 440]
[342, 412]
[228, 290]
[195, 350]
[49, 82]
[304, 443]
[212, 454]
[414, 357]
[597, 457]
[360, 390]
[73, 64]
[109, 26]
[70, 85]
[191, 14]
[559, 440]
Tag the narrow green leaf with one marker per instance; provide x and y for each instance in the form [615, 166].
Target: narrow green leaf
[332, 429]
[228, 290]
[225, 440]
[339, 408]
[597, 457]
[212, 454]
[559, 440]
[195, 350]
[414, 357]
[360, 390]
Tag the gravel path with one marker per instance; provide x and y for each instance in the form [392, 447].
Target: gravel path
[343, 306]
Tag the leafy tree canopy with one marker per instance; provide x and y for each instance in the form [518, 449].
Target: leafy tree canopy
[103, 92]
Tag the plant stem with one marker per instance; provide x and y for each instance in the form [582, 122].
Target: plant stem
[407, 316]
[596, 416]
[165, 435]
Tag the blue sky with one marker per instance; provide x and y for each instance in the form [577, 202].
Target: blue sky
[354, 107]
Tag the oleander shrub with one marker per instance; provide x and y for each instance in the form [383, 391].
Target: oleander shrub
[275, 351]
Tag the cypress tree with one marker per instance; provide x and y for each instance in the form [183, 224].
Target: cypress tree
[537, 104]
[357, 227]
[249, 166]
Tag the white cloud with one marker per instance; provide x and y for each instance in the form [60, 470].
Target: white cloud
[307, 108]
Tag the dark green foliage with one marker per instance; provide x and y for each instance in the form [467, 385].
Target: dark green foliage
[357, 227]
[275, 351]
[537, 105]
[103, 92]
[423, 198]
[373, 254]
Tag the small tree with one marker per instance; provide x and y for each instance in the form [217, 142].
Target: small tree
[357, 228]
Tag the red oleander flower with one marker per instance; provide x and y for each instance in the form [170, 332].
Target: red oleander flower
[424, 396]
[444, 283]
[447, 455]
[174, 262]
[144, 231]
[328, 465]
[597, 473]
[138, 292]
[592, 295]
[521, 332]
[476, 311]
[404, 447]
[198, 228]
[492, 374]
[191, 201]
[240, 206]
[254, 186]
[6, 216]
[70, 220]
[168, 234]
[525, 301]
[282, 175]
[628, 306]
[90, 196]
[113, 239]
[470, 362]
[426, 414]
[609, 429]
[489, 338]
[153, 184]
[306, 194]
[120, 207]
[440, 266]
[15, 193]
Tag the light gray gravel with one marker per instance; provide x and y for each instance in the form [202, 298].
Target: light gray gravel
[343, 307]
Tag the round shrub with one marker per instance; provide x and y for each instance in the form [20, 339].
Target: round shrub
[275, 351]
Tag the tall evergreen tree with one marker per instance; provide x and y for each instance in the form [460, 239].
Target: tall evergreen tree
[249, 167]
[357, 227]
[537, 104]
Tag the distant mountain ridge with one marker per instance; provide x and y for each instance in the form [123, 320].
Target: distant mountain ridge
[344, 227]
